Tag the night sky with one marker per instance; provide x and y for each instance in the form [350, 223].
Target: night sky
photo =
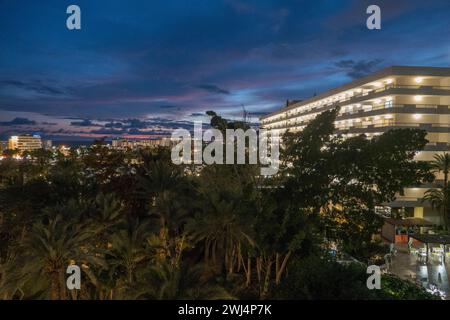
[138, 67]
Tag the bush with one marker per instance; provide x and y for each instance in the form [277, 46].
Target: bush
[316, 278]
[395, 288]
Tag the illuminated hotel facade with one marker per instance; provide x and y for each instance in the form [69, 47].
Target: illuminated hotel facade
[25, 143]
[395, 97]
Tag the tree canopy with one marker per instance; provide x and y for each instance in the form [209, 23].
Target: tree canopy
[141, 227]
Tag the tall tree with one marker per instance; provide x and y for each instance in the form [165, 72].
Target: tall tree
[440, 197]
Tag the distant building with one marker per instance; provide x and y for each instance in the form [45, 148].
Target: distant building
[122, 143]
[47, 144]
[3, 146]
[25, 143]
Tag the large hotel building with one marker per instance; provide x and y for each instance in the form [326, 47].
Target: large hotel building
[395, 97]
[25, 143]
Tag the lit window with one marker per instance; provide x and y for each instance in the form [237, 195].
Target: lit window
[388, 104]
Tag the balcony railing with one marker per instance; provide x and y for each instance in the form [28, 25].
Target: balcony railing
[357, 95]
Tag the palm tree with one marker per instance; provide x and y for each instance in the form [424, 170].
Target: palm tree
[127, 251]
[441, 163]
[440, 198]
[168, 282]
[223, 229]
[108, 210]
[49, 249]
[66, 178]
[166, 190]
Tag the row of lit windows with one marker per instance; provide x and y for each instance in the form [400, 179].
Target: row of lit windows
[381, 103]
[350, 109]
[346, 123]
[361, 122]
[341, 97]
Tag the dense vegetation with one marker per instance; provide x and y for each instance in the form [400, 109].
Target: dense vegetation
[143, 228]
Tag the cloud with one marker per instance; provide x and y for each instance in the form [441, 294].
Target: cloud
[197, 114]
[358, 69]
[114, 125]
[138, 127]
[135, 124]
[18, 122]
[258, 113]
[212, 88]
[256, 53]
[168, 107]
[84, 123]
[106, 131]
[37, 86]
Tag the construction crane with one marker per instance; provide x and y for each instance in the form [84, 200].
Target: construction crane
[244, 113]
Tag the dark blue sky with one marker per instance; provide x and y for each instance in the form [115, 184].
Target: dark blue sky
[166, 61]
